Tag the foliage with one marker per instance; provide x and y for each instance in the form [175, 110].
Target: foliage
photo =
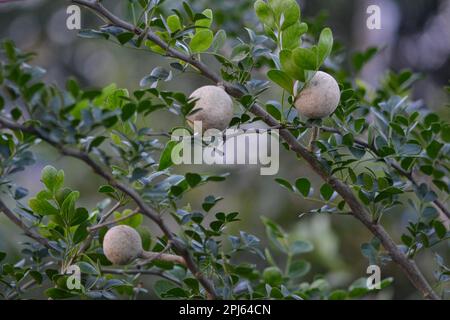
[377, 159]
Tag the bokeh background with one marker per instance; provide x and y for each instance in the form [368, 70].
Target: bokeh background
[414, 34]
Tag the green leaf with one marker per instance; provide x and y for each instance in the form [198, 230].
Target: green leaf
[338, 295]
[281, 79]
[52, 178]
[276, 235]
[2, 256]
[209, 202]
[87, 268]
[145, 236]
[291, 13]
[389, 192]
[219, 40]
[162, 286]
[80, 216]
[440, 229]
[174, 24]
[290, 67]
[303, 186]
[284, 183]
[274, 111]
[56, 293]
[106, 189]
[42, 207]
[134, 221]
[68, 206]
[193, 179]
[205, 22]
[264, 13]
[299, 268]
[306, 58]
[81, 233]
[166, 157]
[201, 41]
[299, 247]
[291, 36]
[325, 44]
[124, 37]
[445, 133]
[37, 276]
[128, 111]
[273, 276]
[287, 12]
[433, 149]
[326, 191]
[92, 34]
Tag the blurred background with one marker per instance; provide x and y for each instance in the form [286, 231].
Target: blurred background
[414, 34]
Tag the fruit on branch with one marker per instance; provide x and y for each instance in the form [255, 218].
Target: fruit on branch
[319, 98]
[122, 244]
[213, 107]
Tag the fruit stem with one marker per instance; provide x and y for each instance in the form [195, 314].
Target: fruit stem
[159, 256]
[314, 135]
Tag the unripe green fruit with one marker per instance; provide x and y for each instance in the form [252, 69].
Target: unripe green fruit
[216, 108]
[273, 276]
[122, 244]
[319, 98]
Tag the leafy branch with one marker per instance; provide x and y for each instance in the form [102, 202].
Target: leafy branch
[359, 211]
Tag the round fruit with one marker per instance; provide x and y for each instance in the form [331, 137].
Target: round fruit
[319, 98]
[273, 276]
[122, 244]
[215, 108]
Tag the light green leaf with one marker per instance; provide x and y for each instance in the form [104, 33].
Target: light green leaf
[264, 13]
[325, 44]
[174, 24]
[291, 36]
[282, 79]
[52, 178]
[201, 41]
[219, 40]
[166, 157]
[306, 58]
[286, 10]
[290, 67]
[206, 22]
[42, 207]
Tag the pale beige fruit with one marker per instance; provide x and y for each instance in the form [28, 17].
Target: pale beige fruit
[122, 244]
[319, 98]
[216, 108]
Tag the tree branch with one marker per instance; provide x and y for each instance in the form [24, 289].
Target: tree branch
[358, 210]
[145, 209]
[408, 175]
